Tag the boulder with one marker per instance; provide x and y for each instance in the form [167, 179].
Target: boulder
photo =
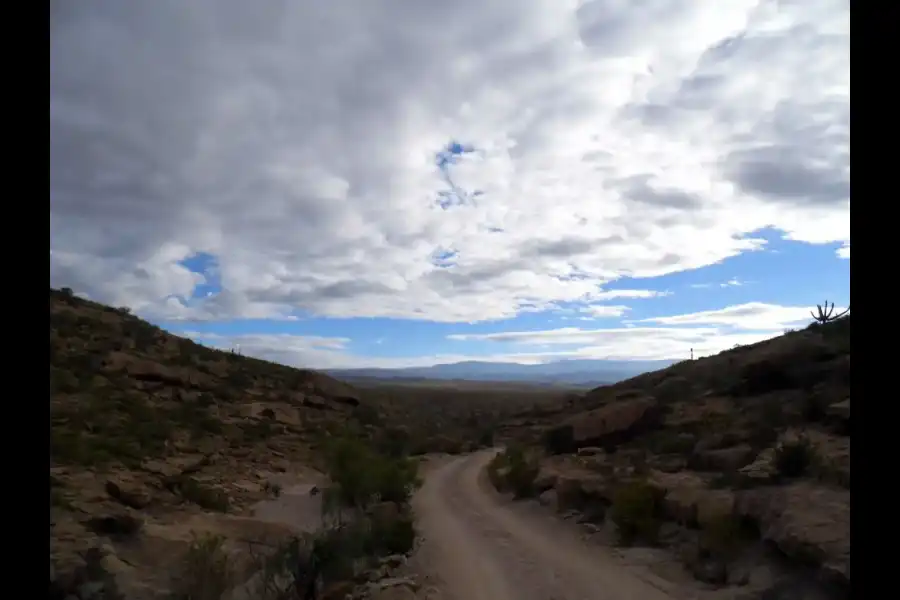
[689, 501]
[128, 492]
[101, 575]
[591, 451]
[569, 494]
[545, 480]
[723, 459]
[605, 427]
[116, 524]
[709, 570]
[667, 463]
[838, 416]
[394, 588]
[762, 470]
[809, 523]
[548, 498]
[839, 410]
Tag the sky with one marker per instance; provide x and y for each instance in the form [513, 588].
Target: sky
[392, 183]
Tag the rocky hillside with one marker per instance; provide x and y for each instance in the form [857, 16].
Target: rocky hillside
[153, 432]
[738, 463]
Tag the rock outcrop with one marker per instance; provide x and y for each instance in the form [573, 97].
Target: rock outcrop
[750, 448]
[607, 426]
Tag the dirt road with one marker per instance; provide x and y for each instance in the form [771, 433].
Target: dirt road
[482, 547]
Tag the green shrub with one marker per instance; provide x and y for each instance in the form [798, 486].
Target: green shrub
[637, 512]
[486, 439]
[362, 475]
[336, 549]
[202, 495]
[395, 535]
[521, 476]
[395, 480]
[453, 446]
[513, 471]
[367, 414]
[272, 488]
[560, 440]
[395, 442]
[496, 471]
[723, 536]
[207, 571]
[794, 457]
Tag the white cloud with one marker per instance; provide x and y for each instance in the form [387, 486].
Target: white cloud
[613, 294]
[752, 315]
[631, 343]
[844, 251]
[707, 332]
[295, 142]
[733, 282]
[296, 350]
[672, 337]
[627, 343]
[604, 310]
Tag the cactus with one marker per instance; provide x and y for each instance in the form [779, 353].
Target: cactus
[826, 314]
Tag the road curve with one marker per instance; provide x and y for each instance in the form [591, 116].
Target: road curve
[480, 547]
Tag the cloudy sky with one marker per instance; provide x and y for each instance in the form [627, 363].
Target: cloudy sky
[388, 183]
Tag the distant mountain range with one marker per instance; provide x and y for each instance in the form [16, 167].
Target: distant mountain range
[579, 372]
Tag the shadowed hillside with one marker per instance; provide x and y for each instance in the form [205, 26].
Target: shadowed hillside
[156, 440]
[738, 464]
[125, 391]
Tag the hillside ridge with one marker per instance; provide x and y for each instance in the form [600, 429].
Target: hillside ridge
[155, 433]
[155, 439]
[716, 461]
[579, 372]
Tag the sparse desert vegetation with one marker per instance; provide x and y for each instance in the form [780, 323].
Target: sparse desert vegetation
[453, 416]
[514, 471]
[367, 526]
[162, 448]
[166, 455]
[715, 460]
[154, 437]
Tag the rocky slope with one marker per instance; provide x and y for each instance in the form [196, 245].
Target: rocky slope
[739, 463]
[155, 438]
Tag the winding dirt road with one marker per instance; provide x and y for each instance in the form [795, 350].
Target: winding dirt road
[480, 546]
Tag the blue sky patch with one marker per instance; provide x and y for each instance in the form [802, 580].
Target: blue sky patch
[784, 273]
[206, 265]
